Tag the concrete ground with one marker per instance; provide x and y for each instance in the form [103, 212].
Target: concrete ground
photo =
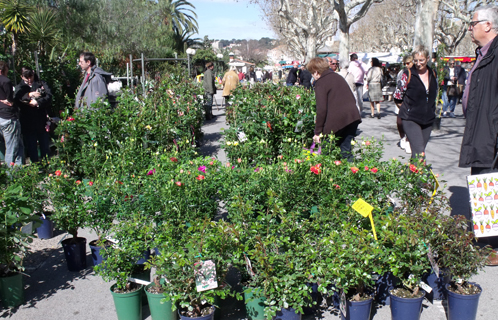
[51, 292]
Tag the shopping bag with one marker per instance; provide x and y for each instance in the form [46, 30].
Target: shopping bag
[483, 191]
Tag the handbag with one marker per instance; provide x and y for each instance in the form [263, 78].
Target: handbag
[452, 91]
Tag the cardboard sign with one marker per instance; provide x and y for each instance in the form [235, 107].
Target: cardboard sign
[205, 275]
[483, 193]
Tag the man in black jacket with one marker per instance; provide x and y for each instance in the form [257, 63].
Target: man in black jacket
[292, 76]
[305, 77]
[480, 102]
[480, 97]
[454, 78]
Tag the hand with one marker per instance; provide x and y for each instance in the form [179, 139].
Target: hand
[33, 103]
[316, 139]
[34, 95]
[6, 102]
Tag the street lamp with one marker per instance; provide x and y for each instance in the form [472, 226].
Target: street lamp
[189, 51]
[220, 57]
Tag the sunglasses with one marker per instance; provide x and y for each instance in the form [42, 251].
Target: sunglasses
[408, 63]
[335, 64]
[473, 23]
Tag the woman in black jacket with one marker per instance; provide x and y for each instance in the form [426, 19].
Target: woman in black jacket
[415, 96]
[34, 100]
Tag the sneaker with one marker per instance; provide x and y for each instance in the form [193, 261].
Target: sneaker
[402, 143]
[445, 114]
[452, 115]
[408, 149]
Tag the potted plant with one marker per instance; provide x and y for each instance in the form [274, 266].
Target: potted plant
[462, 258]
[351, 257]
[70, 198]
[407, 259]
[194, 260]
[15, 211]
[121, 262]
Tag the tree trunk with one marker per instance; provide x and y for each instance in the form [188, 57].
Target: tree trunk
[424, 23]
[344, 43]
[310, 49]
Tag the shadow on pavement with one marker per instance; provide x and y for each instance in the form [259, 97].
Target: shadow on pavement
[48, 274]
[210, 145]
[459, 201]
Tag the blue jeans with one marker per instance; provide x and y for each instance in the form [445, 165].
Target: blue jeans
[11, 132]
[449, 101]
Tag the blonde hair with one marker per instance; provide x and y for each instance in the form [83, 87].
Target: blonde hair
[421, 50]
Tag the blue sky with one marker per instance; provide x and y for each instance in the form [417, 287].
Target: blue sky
[228, 19]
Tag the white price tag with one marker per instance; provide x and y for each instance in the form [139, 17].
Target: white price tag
[425, 286]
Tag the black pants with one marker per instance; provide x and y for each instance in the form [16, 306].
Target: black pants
[31, 141]
[346, 135]
[418, 135]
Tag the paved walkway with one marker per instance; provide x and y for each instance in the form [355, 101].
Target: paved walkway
[54, 293]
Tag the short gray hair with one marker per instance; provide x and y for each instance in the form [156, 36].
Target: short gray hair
[489, 13]
[421, 50]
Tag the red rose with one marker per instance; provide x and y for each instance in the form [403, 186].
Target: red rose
[58, 173]
[90, 183]
[354, 169]
[366, 168]
[374, 170]
[78, 181]
[200, 177]
[70, 119]
[173, 159]
[413, 168]
[178, 183]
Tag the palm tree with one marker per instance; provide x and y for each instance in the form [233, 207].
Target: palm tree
[183, 40]
[176, 15]
[44, 31]
[14, 15]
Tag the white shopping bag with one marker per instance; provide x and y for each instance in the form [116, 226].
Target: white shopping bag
[483, 190]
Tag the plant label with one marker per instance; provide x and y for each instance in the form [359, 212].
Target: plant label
[427, 288]
[342, 304]
[362, 207]
[249, 266]
[205, 275]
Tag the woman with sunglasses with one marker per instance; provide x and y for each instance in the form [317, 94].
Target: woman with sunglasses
[403, 142]
[415, 96]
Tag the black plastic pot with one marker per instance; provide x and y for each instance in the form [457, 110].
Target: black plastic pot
[314, 298]
[46, 230]
[437, 285]
[208, 317]
[358, 310]
[145, 256]
[383, 285]
[462, 307]
[95, 251]
[12, 290]
[75, 252]
[436, 125]
[406, 308]
[287, 314]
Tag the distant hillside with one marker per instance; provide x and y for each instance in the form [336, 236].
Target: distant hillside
[264, 43]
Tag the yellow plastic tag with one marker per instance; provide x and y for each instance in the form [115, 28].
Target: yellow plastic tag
[362, 207]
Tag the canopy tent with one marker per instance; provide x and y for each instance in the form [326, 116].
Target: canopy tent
[325, 55]
[325, 49]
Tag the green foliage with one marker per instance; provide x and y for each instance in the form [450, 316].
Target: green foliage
[168, 119]
[268, 117]
[16, 211]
